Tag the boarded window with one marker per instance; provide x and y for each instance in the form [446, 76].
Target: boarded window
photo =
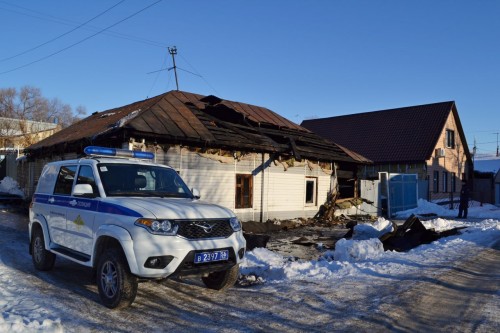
[311, 190]
[244, 191]
[65, 178]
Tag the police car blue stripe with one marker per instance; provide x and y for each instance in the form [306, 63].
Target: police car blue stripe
[109, 208]
[85, 204]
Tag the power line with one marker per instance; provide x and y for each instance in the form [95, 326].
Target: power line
[58, 20]
[157, 75]
[484, 131]
[202, 77]
[484, 143]
[81, 41]
[64, 34]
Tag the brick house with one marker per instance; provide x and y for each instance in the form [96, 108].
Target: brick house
[426, 142]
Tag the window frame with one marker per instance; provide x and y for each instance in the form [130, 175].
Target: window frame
[240, 190]
[450, 138]
[314, 201]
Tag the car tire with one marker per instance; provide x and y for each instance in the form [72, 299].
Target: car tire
[117, 286]
[43, 260]
[222, 280]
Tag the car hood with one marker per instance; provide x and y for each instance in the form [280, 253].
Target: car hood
[172, 208]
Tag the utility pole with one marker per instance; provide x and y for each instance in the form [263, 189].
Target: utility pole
[497, 142]
[173, 51]
[474, 151]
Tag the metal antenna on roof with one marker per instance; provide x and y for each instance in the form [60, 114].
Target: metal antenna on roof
[173, 51]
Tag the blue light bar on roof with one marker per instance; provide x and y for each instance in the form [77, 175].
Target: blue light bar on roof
[105, 151]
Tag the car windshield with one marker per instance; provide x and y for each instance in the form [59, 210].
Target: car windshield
[132, 180]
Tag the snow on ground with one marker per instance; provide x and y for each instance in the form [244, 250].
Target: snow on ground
[352, 258]
[19, 312]
[353, 262]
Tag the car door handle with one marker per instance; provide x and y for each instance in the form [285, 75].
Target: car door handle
[51, 200]
[72, 203]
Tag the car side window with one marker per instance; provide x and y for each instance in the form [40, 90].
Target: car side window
[86, 176]
[65, 179]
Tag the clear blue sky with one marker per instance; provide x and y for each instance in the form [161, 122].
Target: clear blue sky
[302, 59]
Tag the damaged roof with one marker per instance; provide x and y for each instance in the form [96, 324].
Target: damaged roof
[407, 134]
[178, 117]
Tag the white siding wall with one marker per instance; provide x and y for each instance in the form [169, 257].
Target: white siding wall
[277, 193]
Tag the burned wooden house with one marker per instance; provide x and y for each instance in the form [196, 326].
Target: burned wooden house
[241, 156]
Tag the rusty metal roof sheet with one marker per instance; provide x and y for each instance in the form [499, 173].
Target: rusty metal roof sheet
[178, 117]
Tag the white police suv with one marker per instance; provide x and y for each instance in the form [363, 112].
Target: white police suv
[130, 219]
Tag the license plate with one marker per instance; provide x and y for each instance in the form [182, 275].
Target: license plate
[210, 256]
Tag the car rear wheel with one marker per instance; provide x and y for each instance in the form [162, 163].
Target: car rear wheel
[222, 280]
[117, 286]
[42, 259]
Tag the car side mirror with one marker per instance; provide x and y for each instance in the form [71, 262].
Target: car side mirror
[83, 190]
[196, 193]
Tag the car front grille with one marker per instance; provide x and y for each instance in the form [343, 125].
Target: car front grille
[200, 229]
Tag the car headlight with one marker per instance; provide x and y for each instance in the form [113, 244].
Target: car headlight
[158, 227]
[235, 223]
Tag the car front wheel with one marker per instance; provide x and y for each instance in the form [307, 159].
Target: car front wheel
[222, 280]
[117, 286]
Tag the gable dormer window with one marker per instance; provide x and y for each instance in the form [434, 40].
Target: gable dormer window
[450, 138]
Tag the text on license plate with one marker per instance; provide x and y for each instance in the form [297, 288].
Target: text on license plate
[209, 256]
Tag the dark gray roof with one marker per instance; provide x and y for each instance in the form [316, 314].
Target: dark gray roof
[407, 134]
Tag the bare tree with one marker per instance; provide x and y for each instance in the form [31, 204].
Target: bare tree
[24, 112]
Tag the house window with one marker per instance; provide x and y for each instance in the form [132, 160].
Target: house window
[453, 182]
[435, 181]
[450, 138]
[244, 191]
[445, 181]
[311, 191]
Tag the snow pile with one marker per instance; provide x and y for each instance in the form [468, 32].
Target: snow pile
[369, 230]
[440, 224]
[10, 186]
[356, 250]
